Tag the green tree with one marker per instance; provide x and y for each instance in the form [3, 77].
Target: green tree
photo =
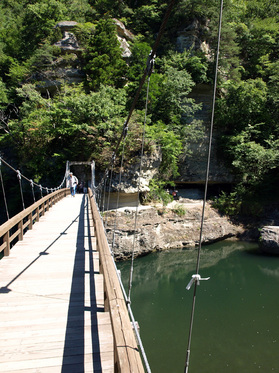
[242, 105]
[172, 104]
[103, 59]
[72, 124]
[171, 147]
[38, 23]
[259, 42]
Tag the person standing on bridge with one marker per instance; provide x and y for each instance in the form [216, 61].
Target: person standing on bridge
[72, 183]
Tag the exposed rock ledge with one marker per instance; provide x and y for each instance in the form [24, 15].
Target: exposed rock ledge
[160, 228]
[269, 240]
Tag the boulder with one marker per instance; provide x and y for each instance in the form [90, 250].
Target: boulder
[66, 25]
[269, 240]
[69, 43]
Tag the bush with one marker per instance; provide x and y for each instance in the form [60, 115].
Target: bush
[179, 210]
[158, 193]
[228, 204]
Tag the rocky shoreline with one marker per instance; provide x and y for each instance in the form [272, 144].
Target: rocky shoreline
[158, 227]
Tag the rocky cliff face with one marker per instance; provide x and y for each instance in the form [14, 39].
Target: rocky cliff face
[162, 228]
[66, 67]
[192, 167]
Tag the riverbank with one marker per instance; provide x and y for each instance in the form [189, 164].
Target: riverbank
[168, 227]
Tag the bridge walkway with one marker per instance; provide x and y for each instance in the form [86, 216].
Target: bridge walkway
[52, 316]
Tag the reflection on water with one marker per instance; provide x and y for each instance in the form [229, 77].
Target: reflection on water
[270, 272]
[236, 321]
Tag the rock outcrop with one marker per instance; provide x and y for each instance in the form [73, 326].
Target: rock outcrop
[132, 181]
[192, 166]
[192, 37]
[161, 228]
[68, 68]
[124, 36]
[269, 240]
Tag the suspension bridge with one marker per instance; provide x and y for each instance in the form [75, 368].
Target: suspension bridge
[62, 305]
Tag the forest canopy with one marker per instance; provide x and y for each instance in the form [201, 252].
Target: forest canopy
[48, 118]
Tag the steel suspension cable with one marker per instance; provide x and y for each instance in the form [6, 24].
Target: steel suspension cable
[143, 354]
[146, 72]
[110, 183]
[104, 191]
[32, 186]
[20, 187]
[29, 180]
[196, 278]
[118, 195]
[138, 191]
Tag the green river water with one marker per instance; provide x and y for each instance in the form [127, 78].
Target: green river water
[236, 323]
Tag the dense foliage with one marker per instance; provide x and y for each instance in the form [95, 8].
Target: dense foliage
[43, 125]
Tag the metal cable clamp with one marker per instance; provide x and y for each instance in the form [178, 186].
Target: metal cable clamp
[196, 278]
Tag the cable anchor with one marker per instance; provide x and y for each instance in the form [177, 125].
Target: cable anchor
[150, 63]
[18, 174]
[113, 157]
[196, 278]
[125, 129]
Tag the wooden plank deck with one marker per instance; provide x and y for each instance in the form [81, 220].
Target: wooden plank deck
[52, 315]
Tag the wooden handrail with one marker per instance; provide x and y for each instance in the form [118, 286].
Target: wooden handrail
[127, 355]
[17, 221]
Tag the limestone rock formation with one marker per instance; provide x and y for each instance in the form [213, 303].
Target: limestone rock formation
[191, 37]
[162, 228]
[68, 69]
[269, 240]
[192, 166]
[68, 43]
[124, 36]
[131, 179]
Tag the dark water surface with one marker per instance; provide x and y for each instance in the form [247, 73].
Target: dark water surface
[236, 323]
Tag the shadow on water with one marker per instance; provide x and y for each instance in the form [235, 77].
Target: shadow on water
[257, 252]
[75, 329]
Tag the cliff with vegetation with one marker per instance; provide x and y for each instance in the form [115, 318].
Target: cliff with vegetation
[174, 226]
[70, 69]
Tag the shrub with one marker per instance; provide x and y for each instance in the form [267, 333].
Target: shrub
[179, 210]
[228, 204]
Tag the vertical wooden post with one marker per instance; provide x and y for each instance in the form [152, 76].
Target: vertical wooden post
[37, 213]
[30, 218]
[6, 239]
[43, 208]
[20, 226]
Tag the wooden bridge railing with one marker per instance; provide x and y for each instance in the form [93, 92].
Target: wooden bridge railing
[127, 355]
[14, 228]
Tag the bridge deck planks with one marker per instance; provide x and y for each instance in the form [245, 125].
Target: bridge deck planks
[52, 315]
